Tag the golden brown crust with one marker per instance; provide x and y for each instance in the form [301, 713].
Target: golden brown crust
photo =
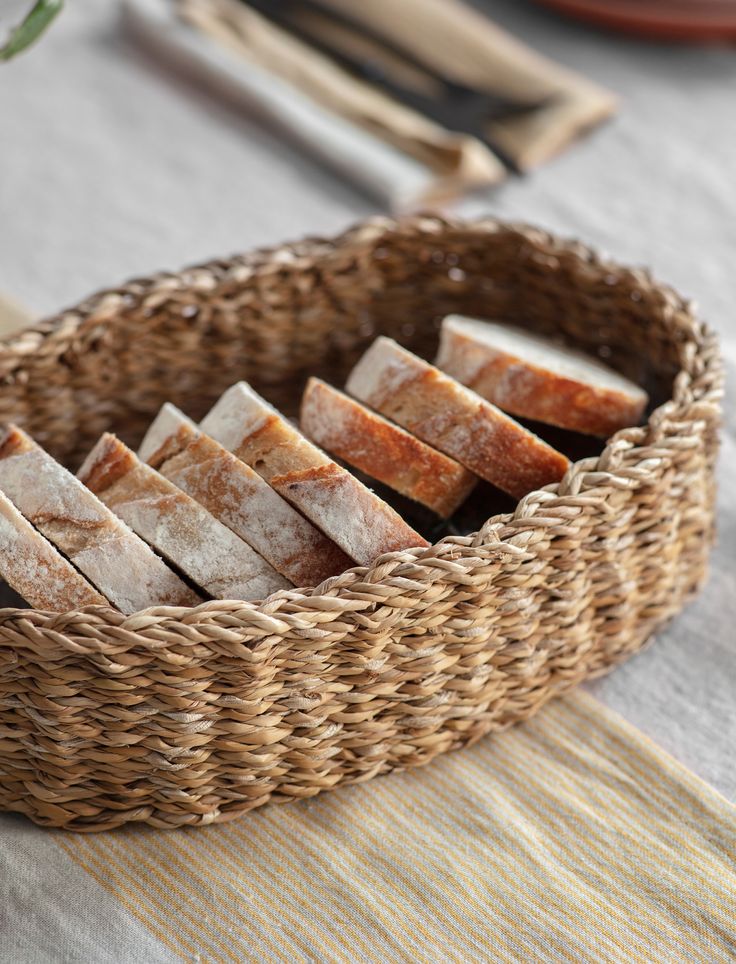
[36, 570]
[276, 448]
[112, 462]
[12, 442]
[177, 526]
[353, 516]
[454, 419]
[98, 544]
[524, 387]
[237, 495]
[328, 475]
[175, 444]
[383, 451]
[364, 525]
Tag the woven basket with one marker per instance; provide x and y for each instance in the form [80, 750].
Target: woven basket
[180, 717]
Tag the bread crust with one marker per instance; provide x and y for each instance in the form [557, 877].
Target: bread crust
[183, 531]
[383, 451]
[361, 523]
[237, 495]
[36, 570]
[458, 422]
[119, 564]
[582, 395]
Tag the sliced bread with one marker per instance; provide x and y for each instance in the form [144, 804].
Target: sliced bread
[342, 507]
[36, 570]
[237, 495]
[182, 530]
[453, 419]
[113, 558]
[536, 378]
[382, 450]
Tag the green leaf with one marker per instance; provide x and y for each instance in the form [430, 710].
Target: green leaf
[31, 28]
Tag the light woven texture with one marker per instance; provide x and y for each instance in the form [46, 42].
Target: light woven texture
[570, 838]
[192, 716]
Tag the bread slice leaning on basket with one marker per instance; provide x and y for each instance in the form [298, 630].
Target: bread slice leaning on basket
[536, 378]
[205, 550]
[452, 418]
[361, 523]
[112, 557]
[237, 495]
[36, 570]
[385, 452]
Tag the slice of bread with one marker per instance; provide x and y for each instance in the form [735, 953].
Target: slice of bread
[454, 419]
[535, 378]
[38, 572]
[342, 507]
[97, 543]
[383, 451]
[182, 530]
[241, 499]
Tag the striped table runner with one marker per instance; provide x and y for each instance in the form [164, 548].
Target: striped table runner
[570, 837]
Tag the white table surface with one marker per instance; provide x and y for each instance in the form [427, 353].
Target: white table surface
[109, 167]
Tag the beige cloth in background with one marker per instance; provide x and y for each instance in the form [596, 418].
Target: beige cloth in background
[454, 38]
[399, 181]
[469, 47]
[458, 162]
[12, 316]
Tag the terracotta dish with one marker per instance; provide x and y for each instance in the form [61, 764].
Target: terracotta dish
[711, 21]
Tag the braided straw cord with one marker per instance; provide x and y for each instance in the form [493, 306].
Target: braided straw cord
[188, 716]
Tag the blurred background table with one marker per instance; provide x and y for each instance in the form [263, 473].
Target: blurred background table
[112, 167]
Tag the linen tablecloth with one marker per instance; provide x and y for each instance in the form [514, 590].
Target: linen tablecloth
[111, 168]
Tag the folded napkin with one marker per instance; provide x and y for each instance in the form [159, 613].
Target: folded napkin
[396, 179]
[12, 316]
[472, 49]
[569, 837]
[438, 164]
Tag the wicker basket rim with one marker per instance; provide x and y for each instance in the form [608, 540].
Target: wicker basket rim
[630, 458]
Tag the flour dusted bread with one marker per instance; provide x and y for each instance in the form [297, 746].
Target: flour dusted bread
[382, 450]
[237, 495]
[182, 530]
[535, 378]
[105, 550]
[439, 410]
[363, 525]
[36, 570]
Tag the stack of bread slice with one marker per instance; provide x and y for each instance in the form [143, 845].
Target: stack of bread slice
[245, 504]
[430, 432]
[87, 553]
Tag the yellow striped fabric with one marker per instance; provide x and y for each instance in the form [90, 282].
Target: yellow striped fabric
[569, 838]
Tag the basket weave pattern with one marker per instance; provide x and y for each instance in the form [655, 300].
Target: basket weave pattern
[188, 716]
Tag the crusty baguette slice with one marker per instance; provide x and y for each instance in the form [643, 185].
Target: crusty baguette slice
[112, 557]
[535, 378]
[36, 570]
[236, 495]
[363, 525]
[182, 530]
[383, 451]
[453, 419]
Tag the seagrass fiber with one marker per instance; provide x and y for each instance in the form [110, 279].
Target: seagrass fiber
[179, 717]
